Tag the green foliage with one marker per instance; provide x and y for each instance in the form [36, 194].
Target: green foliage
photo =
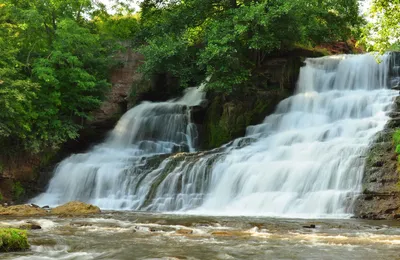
[229, 40]
[120, 27]
[12, 239]
[53, 71]
[17, 190]
[1, 197]
[383, 32]
[396, 143]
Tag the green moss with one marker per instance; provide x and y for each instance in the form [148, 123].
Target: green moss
[227, 120]
[12, 239]
[218, 135]
[396, 137]
[396, 144]
[18, 190]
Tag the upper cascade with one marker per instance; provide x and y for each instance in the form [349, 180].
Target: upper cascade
[305, 160]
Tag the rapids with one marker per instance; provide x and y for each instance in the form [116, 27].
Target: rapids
[305, 160]
[148, 236]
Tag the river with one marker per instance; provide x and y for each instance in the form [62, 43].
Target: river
[141, 235]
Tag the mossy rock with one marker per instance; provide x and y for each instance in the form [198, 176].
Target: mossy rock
[75, 208]
[12, 239]
[228, 116]
[22, 210]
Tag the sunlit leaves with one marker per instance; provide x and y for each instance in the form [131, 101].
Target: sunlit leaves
[231, 38]
[53, 67]
[383, 32]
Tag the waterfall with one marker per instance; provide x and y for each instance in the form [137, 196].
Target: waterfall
[305, 160]
[309, 155]
[105, 175]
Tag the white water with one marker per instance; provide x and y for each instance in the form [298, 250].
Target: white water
[306, 159]
[105, 176]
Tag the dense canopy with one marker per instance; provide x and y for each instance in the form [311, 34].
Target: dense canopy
[55, 55]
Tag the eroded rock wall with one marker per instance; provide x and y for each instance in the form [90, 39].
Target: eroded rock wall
[380, 198]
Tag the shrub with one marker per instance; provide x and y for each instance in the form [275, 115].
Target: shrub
[12, 239]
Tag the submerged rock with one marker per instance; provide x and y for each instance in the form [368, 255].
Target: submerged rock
[30, 225]
[75, 208]
[230, 233]
[22, 210]
[310, 226]
[183, 231]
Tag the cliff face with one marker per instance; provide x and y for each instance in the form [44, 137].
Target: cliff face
[380, 198]
[228, 115]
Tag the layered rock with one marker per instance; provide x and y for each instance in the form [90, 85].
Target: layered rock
[380, 198]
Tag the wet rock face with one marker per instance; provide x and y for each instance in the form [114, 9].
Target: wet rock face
[395, 71]
[228, 116]
[380, 198]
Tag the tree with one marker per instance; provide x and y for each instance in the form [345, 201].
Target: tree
[383, 32]
[228, 40]
[54, 67]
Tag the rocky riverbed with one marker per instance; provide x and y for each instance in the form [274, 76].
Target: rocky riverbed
[137, 235]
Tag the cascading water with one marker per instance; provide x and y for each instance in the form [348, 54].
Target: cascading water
[308, 157]
[105, 175]
[305, 160]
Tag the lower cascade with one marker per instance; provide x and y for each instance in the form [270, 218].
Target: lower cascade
[305, 160]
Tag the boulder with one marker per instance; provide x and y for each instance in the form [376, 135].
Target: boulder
[22, 210]
[75, 208]
[30, 225]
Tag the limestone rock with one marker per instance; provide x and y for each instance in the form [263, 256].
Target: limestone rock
[75, 208]
[22, 210]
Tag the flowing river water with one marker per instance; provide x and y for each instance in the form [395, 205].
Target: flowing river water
[250, 199]
[133, 235]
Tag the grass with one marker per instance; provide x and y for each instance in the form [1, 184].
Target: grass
[12, 239]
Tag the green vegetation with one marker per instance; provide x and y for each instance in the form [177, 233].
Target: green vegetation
[54, 67]
[230, 40]
[383, 32]
[18, 190]
[55, 55]
[12, 239]
[396, 143]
